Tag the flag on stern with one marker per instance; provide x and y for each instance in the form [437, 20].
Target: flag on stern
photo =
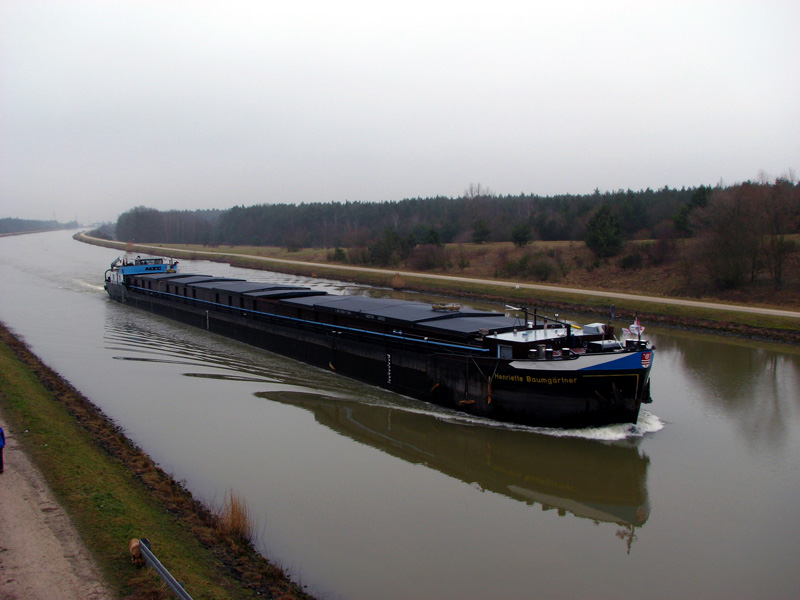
[635, 329]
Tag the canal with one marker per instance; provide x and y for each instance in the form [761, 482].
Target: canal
[360, 493]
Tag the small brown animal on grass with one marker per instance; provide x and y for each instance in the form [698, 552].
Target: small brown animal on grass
[136, 552]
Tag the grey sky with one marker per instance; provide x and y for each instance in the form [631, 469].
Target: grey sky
[108, 105]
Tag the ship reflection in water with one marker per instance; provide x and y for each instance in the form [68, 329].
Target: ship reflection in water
[586, 478]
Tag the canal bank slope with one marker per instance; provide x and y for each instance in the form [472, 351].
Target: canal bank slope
[65, 523]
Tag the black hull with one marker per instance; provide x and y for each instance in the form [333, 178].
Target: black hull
[468, 382]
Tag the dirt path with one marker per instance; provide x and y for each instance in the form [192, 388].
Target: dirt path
[41, 555]
[495, 282]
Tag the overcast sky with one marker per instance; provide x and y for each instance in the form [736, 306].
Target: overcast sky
[108, 105]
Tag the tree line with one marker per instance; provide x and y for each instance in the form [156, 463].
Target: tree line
[740, 230]
[13, 225]
[478, 216]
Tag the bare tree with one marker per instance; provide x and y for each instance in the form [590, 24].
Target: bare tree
[476, 191]
[781, 206]
[745, 229]
[729, 236]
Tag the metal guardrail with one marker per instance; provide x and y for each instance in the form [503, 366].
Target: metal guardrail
[151, 560]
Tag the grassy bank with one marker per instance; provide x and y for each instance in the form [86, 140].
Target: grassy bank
[114, 492]
[312, 263]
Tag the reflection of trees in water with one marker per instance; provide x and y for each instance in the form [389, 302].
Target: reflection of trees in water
[757, 386]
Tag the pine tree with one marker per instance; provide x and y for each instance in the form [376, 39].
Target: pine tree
[604, 233]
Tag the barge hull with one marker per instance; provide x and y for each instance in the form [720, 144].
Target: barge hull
[479, 385]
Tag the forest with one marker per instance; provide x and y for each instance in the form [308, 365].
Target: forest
[11, 225]
[739, 230]
[477, 216]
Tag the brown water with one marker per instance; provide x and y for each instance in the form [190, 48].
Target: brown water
[361, 493]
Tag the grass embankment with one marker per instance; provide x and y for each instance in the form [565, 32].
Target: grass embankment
[483, 260]
[114, 492]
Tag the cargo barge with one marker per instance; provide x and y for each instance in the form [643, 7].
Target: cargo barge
[527, 369]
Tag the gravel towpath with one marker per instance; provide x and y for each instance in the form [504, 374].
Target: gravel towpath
[41, 554]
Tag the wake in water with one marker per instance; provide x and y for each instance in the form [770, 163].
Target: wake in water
[647, 422]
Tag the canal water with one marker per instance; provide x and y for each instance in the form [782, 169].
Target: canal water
[360, 493]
